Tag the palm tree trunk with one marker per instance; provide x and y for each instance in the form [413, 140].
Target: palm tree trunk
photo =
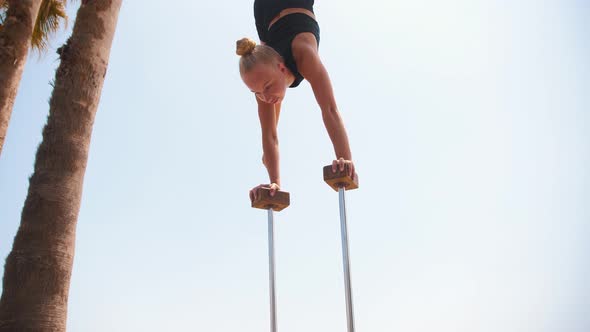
[15, 39]
[38, 269]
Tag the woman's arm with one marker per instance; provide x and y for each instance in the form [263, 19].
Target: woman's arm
[308, 62]
[270, 142]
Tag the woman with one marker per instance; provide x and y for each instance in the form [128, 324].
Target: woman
[290, 36]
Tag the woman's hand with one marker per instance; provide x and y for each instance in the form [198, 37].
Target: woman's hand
[273, 189]
[339, 165]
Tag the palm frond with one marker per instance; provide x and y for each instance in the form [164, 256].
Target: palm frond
[51, 14]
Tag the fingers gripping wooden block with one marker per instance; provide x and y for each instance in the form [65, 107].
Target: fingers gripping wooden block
[264, 201]
[340, 178]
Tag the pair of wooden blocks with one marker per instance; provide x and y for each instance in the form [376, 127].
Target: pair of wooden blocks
[281, 199]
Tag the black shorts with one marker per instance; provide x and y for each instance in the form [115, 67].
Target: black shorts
[266, 10]
[281, 34]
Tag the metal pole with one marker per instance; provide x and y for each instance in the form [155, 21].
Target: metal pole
[271, 261]
[346, 261]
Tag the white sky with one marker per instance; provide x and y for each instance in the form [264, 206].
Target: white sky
[469, 126]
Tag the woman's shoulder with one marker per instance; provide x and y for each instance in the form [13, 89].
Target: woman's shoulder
[304, 44]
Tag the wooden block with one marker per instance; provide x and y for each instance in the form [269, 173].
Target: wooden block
[264, 201]
[340, 178]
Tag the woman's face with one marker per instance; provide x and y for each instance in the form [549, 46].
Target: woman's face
[268, 81]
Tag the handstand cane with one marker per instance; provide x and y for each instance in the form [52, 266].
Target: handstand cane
[271, 203]
[340, 182]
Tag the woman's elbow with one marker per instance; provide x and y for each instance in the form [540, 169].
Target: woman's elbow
[330, 113]
[271, 140]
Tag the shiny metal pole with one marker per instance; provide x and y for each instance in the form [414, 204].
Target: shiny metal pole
[277, 202]
[346, 261]
[271, 262]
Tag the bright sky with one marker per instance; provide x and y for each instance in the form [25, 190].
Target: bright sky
[469, 125]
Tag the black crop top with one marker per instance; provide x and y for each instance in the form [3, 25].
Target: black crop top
[281, 34]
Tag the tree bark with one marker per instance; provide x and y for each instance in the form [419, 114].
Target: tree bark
[15, 38]
[38, 269]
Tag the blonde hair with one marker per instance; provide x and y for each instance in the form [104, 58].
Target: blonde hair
[251, 54]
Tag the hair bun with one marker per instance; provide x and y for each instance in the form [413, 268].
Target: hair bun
[245, 46]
